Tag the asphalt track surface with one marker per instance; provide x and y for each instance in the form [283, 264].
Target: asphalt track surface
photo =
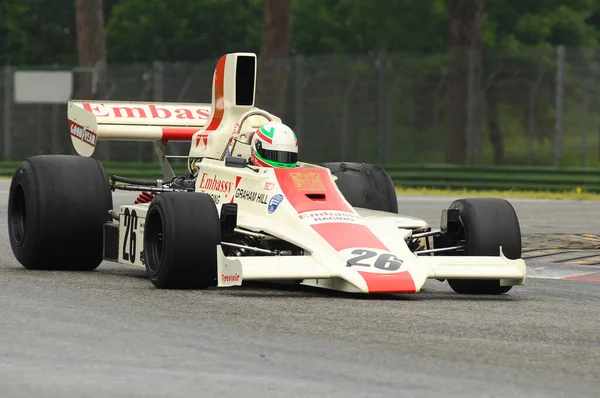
[109, 333]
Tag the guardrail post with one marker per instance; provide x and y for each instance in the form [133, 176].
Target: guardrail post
[382, 108]
[589, 86]
[531, 117]
[345, 116]
[436, 118]
[471, 114]
[8, 111]
[158, 84]
[559, 100]
[299, 84]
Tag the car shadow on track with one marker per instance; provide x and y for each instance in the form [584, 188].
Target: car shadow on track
[270, 289]
[257, 289]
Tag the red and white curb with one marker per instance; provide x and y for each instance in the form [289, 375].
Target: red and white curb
[555, 271]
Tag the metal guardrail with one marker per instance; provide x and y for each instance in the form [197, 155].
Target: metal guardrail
[499, 177]
[422, 175]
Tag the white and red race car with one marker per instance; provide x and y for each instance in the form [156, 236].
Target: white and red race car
[334, 226]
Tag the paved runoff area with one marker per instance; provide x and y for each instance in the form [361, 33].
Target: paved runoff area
[109, 333]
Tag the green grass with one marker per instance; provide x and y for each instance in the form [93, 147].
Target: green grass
[124, 169]
[576, 194]
[513, 178]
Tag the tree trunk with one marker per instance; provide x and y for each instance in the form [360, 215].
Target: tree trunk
[91, 51]
[466, 21]
[273, 60]
[91, 47]
[494, 128]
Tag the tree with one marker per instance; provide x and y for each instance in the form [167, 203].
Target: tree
[358, 26]
[91, 45]
[182, 30]
[274, 51]
[520, 40]
[37, 32]
[466, 22]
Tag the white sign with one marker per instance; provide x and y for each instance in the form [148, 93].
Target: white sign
[43, 86]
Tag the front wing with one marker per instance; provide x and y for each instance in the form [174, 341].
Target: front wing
[309, 272]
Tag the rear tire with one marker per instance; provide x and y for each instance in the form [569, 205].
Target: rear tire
[181, 235]
[488, 223]
[370, 188]
[56, 208]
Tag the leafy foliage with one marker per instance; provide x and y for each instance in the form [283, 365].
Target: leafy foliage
[39, 32]
[182, 30]
[36, 32]
[42, 32]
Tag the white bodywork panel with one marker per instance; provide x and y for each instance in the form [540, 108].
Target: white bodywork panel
[131, 234]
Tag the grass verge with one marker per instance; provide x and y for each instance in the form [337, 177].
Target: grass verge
[576, 194]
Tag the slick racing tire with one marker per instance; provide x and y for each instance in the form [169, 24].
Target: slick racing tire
[57, 206]
[181, 235]
[487, 224]
[365, 185]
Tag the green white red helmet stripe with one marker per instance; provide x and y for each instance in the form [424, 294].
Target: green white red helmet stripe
[266, 135]
[295, 138]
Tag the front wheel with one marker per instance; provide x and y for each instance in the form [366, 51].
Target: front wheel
[487, 224]
[181, 235]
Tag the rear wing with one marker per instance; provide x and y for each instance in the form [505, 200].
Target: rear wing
[90, 121]
[208, 127]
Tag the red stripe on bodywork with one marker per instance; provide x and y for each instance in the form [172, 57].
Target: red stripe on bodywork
[398, 282]
[202, 138]
[296, 183]
[178, 133]
[218, 108]
[594, 277]
[343, 236]
[237, 182]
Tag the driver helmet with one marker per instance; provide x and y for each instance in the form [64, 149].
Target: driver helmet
[274, 145]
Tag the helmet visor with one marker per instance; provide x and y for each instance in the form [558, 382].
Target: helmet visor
[278, 156]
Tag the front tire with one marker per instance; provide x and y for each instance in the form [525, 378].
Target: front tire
[56, 208]
[181, 235]
[487, 224]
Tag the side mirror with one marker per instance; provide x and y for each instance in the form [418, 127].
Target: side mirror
[355, 167]
[235, 161]
[450, 222]
[228, 217]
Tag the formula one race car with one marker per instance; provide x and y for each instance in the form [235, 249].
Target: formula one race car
[334, 225]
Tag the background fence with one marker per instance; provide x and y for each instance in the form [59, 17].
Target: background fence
[537, 106]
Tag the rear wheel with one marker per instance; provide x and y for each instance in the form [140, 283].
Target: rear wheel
[56, 208]
[365, 185]
[487, 224]
[181, 235]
